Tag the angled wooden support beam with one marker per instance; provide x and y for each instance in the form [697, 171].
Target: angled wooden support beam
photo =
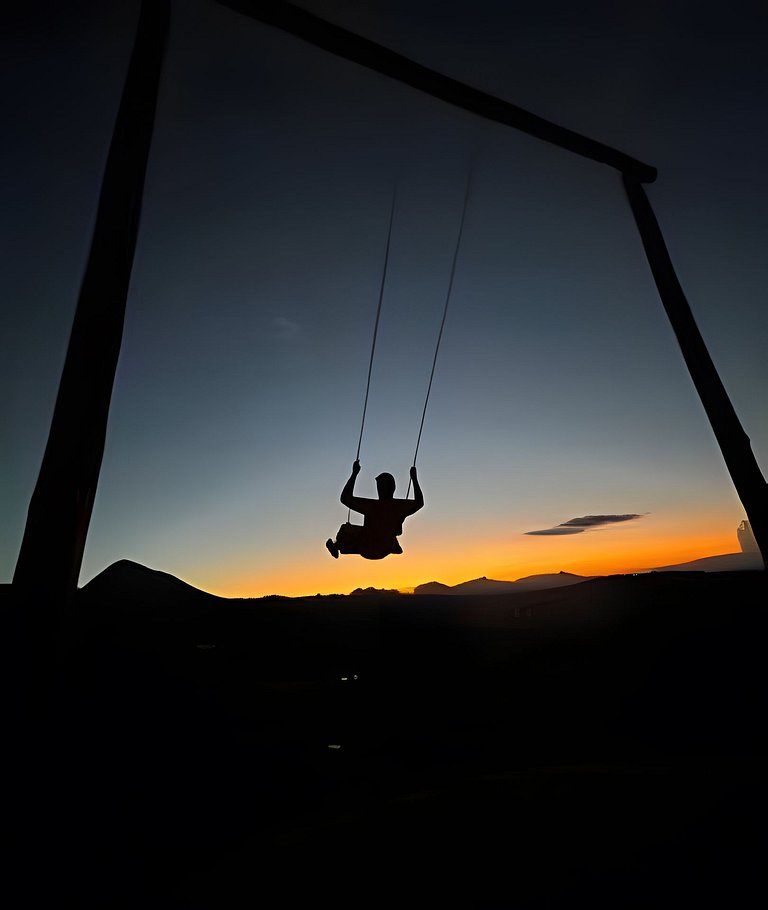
[733, 441]
[57, 522]
[374, 56]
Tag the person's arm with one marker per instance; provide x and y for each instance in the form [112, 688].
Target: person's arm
[348, 497]
[418, 496]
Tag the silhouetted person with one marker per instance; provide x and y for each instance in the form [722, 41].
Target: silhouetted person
[384, 518]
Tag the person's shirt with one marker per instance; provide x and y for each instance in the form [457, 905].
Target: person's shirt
[384, 517]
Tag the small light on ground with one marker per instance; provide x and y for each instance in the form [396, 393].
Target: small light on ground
[334, 746]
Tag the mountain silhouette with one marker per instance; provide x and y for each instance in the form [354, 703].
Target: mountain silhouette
[432, 587]
[551, 580]
[484, 586]
[728, 562]
[132, 587]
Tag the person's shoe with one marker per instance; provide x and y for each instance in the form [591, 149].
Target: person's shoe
[332, 548]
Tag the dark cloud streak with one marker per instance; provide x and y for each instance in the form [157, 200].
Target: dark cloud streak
[585, 523]
[590, 521]
[555, 532]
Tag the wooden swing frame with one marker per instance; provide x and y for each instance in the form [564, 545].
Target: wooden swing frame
[52, 548]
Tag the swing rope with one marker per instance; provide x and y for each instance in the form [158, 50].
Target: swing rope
[445, 313]
[376, 327]
[376, 324]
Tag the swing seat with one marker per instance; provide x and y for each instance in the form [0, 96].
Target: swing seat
[358, 540]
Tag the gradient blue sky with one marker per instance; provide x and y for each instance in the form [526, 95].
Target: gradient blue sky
[559, 392]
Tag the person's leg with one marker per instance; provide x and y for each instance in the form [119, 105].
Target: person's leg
[348, 540]
[369, 551]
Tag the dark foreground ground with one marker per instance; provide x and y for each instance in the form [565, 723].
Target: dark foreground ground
[601, 746]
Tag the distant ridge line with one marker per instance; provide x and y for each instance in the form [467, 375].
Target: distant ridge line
[486, 586]
[138, 586]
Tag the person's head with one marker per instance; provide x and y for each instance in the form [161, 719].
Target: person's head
[385, 484]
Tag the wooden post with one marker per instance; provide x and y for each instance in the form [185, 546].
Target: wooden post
[734, 442]
[51, 552]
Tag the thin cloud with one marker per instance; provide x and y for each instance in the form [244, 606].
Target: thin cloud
[585, 523]
[285, 329]
[556, 532]
[590, 521]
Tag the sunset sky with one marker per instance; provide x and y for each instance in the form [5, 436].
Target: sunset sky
[560, 391]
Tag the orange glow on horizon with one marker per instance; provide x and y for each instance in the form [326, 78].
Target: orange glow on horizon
[596, 553]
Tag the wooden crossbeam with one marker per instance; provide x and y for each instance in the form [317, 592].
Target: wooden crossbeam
[382, 60]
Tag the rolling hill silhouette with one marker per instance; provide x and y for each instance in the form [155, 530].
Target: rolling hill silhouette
[728, 562]
[130, 586]
[483, 586]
